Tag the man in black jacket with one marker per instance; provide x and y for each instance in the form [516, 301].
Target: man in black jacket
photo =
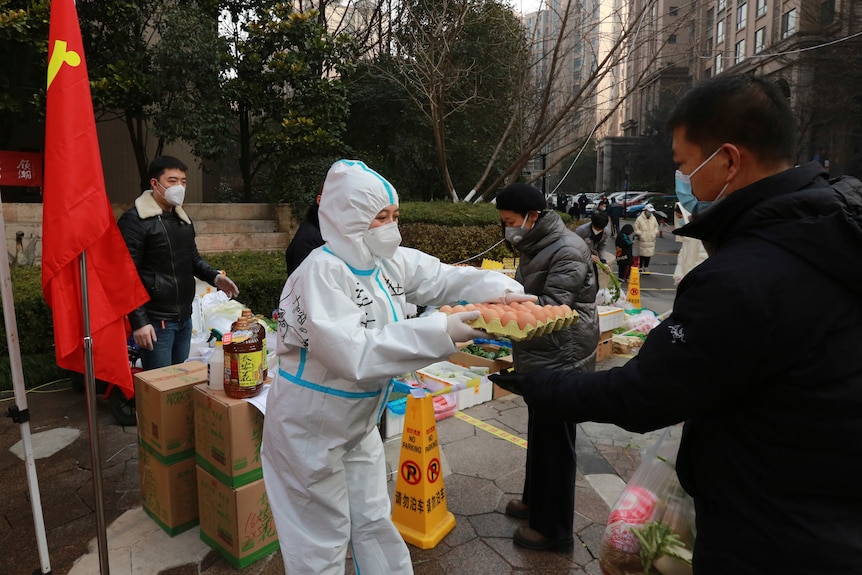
[306, 238]
[161, 239]
[763, 343]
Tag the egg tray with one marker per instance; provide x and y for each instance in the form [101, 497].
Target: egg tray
[516, 333]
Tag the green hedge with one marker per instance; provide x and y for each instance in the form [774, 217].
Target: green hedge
[452, 232]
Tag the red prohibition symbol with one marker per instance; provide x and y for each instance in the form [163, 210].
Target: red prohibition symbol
[434, 470]
[634, 291]
[411, 473]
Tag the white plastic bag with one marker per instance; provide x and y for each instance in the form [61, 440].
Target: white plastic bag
[219, 312]
[651, 526]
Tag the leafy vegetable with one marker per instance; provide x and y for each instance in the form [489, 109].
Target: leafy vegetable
[480, 351]
[656, 538]
[614, 286]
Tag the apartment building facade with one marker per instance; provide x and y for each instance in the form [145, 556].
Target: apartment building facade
[809, 47]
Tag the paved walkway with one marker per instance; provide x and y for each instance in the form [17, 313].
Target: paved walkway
[482, 472]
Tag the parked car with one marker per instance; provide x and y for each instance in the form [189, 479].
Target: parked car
[663, 206]
[628, 199]
[592, 200]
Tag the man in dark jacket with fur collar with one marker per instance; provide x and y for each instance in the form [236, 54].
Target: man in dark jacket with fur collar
[763, 341]
[161, 239]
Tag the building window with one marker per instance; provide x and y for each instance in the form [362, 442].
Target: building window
[788, 23]
[710, 21]
[741, 12]
[761, 7]
[827, 12]
[707, 74]
[709, 45]
[719, 32]
[739, 54]
[674, 11]
[719, 65]
[759, 40]
[722, 4]
[671, 39]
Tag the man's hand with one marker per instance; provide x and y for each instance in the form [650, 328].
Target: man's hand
[510, 380]
[145, 336]
[226, 285]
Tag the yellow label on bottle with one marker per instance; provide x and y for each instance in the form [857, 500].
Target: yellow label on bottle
[250, 369]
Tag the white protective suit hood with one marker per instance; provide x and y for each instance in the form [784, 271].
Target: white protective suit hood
[352, 196]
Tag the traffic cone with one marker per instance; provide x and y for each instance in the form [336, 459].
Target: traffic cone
[634, 292]
[419, 510]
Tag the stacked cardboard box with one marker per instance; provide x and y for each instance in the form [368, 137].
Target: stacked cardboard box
[166, 462]
[605, 348]
[235, 516]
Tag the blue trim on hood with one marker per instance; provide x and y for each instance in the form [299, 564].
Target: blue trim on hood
[386, 185]
[352, 269]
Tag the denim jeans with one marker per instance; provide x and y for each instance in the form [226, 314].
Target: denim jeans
[173, 339]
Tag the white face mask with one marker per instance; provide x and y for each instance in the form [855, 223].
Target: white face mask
[174, 195]
[383, 240]
[515, 235]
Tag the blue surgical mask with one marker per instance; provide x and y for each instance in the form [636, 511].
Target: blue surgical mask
[683, 189]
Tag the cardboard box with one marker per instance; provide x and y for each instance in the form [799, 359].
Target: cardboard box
[469, 360]
[610, 317]
[168, 492]
[475, 395]
[163, 399]
[238, 523]
[605, 348]
[228, 433]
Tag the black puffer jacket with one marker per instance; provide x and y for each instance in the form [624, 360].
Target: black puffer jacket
[162, 245]
[555, 265]
[762, 359]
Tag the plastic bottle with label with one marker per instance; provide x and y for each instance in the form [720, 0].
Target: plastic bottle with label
[215, 367]
[260, 330]
[244, 359]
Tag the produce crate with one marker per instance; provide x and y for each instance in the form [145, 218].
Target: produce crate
[626, 344]
[610, 317]
[465, 359]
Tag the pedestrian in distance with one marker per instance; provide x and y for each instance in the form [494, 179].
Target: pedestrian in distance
[555, 266]
[691, 250]
[342, 335]
[160, 237]
[625, 251]
[763, 340]
[582, 203]
[615, 212]
[596, 233]
[306, 238]
[646, 230]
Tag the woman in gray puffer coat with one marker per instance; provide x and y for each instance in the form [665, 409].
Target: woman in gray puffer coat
[555, 266]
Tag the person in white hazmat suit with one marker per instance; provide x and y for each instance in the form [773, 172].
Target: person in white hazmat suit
[342, 335]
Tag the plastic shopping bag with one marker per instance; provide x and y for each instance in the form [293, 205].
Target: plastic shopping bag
[650, 530]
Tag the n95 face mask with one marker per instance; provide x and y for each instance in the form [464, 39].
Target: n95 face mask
[383, 240]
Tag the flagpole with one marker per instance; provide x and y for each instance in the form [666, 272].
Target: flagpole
[20, 413]
[95, 450]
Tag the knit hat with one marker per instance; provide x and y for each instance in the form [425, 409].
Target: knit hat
[520, 198]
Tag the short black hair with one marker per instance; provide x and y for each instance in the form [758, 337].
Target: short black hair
[162, 163]
[599, 219]
[738, 109]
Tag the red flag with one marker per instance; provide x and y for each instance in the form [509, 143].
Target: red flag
[77, 217]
